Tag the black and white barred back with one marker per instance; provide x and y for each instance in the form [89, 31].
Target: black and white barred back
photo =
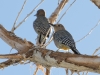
[65, 38]
[41, 26]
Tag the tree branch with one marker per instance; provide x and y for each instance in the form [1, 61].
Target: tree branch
[11, 56]
[8, 63]
[96, 2]
[46, 57]
[48, 71]
[13, 28]
[15, 42]
[55, 14]
[28, 15]
[66, 11]
[89, 32]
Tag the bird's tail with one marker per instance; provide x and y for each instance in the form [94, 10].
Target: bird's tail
[76, 51]
[42, 39]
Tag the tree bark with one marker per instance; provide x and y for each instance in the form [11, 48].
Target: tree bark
[46, 57]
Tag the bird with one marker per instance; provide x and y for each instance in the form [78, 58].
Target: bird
[41, 26]
[63, 39]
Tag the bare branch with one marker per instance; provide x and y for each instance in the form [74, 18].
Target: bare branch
[42, 68]
[83, 73]
[93, 54]
[96, 2]
[28, 15]
[15, 42]
[39, 67]
[8, 63]
[51, 38]
[65, 60]
[10, 50]
[66, 11]
[11, 56]
[96, 50]
[13, 28]
[89, 32]
[46, 36]
[47, 71]
[49, 58]
[58, 2]
[53, 17]
[55, 14]
[86, 73]
[36, 70]
[66, 71]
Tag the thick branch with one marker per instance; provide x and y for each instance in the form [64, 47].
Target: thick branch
[12, 56]
[15, 42]
[96, 2]
[8, 63]
[50, 58]
[46, 57]
[55, 14]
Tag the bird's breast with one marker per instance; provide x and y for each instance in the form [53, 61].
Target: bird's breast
[64, 47]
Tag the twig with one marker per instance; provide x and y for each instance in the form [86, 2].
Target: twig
[98, 54]
[51, 38]
[10, 50]
[46, 35]
[28, 15]
[54, 16]
[86, 73]
[36, 70]
[66, 71]
[18, 16]
[89, 32]
[72, 73]
[78, 73]
[58, 2]
[96, 50]
[43, 71]
[66, 11]
[47, 71]
[39, 67]
[83, 73]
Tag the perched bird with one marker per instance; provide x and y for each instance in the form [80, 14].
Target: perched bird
[63, 39]
[41, 26]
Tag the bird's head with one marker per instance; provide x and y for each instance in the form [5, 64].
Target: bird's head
[40, 12]
[58, 27]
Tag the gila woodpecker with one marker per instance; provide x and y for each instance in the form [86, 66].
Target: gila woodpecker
[41, 26]
[63, 39]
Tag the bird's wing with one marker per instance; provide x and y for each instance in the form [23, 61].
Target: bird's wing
[41, 25]
[64, 37]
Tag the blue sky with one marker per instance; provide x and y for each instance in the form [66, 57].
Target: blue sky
[79, 20]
